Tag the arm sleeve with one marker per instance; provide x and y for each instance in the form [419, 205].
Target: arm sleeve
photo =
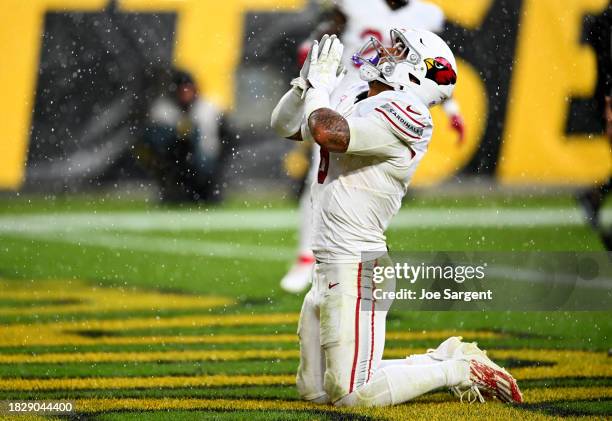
[288, 114]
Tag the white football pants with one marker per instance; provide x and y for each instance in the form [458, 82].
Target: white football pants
[342, 337]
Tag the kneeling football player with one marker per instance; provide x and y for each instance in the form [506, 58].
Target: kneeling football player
[372, 136]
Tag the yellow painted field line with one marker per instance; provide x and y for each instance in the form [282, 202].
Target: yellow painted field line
[198, 355]
[426, 407]
[100, 405]
[414, 410]
[162, 322]
[568, 363]
[34, 337]
[142, 303]
[63, 332]
[565, 363]
[422, 409]
[199, 339]
[77, 340]
[566, 393]
[99, 383]
[82, 298]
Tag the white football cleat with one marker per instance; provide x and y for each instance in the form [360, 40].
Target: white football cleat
[485, 377]
[299, 276]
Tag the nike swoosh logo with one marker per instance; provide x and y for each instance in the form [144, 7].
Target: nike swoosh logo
[410, 110]
[330, 285]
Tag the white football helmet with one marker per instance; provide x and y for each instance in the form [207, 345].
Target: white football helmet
[419, 60]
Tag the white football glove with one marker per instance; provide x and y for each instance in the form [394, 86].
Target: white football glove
[301, 82]
[324, 70]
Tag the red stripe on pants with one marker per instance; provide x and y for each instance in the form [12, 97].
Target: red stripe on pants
[372, 340]
[356, 354]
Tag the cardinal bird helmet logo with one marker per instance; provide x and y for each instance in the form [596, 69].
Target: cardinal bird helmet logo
[440, 71]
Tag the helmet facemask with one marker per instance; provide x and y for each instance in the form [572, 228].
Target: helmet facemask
[377, 62]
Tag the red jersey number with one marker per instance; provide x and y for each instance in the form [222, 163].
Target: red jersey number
[365, 35]
[323, 165]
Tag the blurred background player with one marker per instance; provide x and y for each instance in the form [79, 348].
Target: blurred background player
[183, 140]
[599, 36]
[355, 22]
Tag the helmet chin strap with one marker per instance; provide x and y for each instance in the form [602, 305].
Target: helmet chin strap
[369, 73]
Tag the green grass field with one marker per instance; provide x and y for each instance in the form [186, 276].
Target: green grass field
[134, 311]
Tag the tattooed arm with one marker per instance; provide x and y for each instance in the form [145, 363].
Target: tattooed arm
[329, 129]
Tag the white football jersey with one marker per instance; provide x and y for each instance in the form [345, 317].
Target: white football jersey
[355, 194]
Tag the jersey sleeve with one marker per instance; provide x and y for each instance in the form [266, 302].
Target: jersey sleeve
[389, 127]
[367, 137]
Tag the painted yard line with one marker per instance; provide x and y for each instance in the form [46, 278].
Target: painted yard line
[167, 382]
[197, 355]
[567, 393]
[79, 298]
[567, 363]
[162, 404]
[19, 334]
[236, 220]
[32, 336]
[426, 407]
[130, 242]
[564, 363]
[158, 322]
[100, 383]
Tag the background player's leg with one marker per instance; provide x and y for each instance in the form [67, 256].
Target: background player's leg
[298, 277]
[305, 232]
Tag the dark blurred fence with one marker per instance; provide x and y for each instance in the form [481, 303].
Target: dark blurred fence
[99, 73]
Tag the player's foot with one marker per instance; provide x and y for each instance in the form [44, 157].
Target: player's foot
[446, 349]
[486, 378]
[298, 277]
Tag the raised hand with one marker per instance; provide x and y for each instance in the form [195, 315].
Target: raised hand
[325, 71]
